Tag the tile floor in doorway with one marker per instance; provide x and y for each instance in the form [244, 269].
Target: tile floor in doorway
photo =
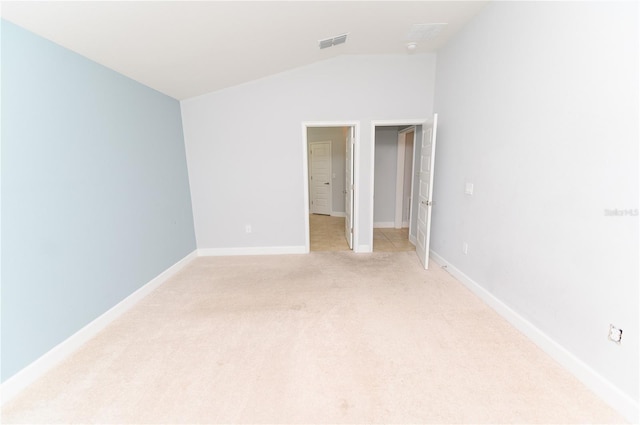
[392, 240]
[327, 234]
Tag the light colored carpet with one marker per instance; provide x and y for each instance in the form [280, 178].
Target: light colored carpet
[329, 337]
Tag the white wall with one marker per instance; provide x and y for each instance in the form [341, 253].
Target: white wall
[538, 107]
[95, 195]
[337, 136]
[245, 152]
[386, 164]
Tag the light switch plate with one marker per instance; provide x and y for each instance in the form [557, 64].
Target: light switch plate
[468, 188]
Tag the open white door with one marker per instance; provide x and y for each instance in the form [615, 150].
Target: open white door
[348, 188]
[425, 194]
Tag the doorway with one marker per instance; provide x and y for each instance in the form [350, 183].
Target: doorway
[421, 202]
[329, 150]
[392, 187]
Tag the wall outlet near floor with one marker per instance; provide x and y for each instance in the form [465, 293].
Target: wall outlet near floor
[615, 334]
[465, 248]
[247, 228]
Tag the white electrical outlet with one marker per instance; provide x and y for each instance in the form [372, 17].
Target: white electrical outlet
[615, 334]
[247, 228]
[465, 248]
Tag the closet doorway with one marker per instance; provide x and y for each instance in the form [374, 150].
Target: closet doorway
[393, 179]
[421, 201]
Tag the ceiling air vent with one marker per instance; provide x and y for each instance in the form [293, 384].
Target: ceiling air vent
[333, 41]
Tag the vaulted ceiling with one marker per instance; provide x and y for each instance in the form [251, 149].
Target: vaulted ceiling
[189, 48]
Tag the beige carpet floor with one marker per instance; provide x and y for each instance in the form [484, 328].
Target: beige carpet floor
[329, 337]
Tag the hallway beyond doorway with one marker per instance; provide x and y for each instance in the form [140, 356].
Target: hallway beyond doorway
[392, 240]
[326, 233]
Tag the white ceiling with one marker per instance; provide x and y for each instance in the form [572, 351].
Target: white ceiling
[188, 48]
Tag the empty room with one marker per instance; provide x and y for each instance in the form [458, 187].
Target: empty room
[159, 256]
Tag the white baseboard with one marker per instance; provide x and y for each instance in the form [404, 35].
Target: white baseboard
[12, 386]
[338, 214]
[405, 224]
[413, 239]
[612, 395]
[260, 250]
[384, 225]
[363, 249]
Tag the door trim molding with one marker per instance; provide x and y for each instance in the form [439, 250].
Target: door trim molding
[356, 179]
[372, 159]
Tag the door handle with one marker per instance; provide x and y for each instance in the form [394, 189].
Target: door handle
[327, 183]
[427, 203]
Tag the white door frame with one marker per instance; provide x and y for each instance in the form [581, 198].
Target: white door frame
[356, 179]
[349, 185]
[381, 123]
[400, 173]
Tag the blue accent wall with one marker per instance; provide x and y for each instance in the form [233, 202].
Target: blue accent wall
[95, 192]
